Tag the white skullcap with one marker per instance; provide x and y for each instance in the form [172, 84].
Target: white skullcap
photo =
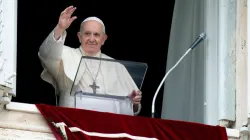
[95, 19]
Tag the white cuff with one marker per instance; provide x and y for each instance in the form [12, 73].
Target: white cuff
[60, 38]
[139, 110]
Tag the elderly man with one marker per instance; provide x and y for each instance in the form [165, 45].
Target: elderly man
[60, 62]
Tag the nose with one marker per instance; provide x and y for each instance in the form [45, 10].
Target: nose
[92, 38]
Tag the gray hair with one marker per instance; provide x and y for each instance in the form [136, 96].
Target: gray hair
[95, 19]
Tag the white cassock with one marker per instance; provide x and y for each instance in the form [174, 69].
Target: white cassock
[60, 65]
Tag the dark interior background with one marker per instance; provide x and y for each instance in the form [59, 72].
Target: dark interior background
[137, 31]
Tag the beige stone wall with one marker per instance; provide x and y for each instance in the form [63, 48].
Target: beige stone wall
[19, 125]
[241, 67]
[241, 64]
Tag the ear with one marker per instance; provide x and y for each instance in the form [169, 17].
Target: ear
[104, 39]
[79, 37]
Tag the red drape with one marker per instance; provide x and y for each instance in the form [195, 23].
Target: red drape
[108, 123]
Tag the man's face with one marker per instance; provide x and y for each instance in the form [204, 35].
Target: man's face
[92, 37]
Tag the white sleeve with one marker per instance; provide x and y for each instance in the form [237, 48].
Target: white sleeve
[50, 54]
[51, 48]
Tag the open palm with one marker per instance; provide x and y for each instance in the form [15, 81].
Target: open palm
[65, 18]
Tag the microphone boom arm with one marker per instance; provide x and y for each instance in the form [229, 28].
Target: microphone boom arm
[158, 89]
[196, 42]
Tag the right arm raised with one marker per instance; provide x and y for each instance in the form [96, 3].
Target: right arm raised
[50, 52]
[52, 47]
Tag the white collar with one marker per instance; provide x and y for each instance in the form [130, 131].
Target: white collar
[98, 54]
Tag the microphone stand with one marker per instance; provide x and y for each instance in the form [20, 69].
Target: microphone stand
[197, 41]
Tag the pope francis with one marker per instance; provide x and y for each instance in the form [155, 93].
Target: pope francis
[61, 62]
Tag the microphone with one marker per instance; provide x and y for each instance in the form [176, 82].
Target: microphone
[196, 42]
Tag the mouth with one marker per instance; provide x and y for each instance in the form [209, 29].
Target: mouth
[91, 44]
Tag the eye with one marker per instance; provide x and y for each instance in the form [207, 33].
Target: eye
[96, 34]
[86, 33]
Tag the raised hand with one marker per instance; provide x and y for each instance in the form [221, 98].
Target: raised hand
[65, 21]
[65, 18]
